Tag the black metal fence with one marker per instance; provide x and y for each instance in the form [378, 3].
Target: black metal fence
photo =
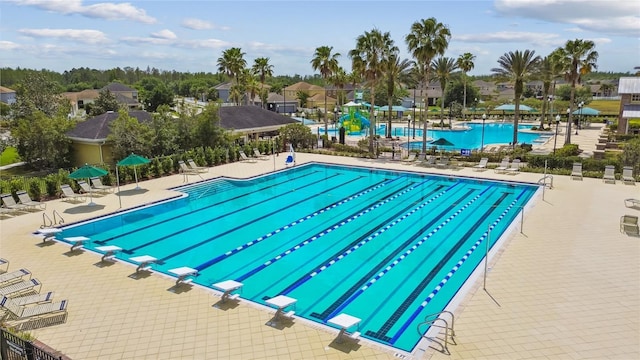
[12, 347]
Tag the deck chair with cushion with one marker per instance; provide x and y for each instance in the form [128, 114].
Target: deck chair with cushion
[629, 225]
[97, 184]
[69, 195]
[194, 166]
[245, 158]
[257, 154]
[576, 172]
[482, 165]
[10, 203]
[627, 175]
[609, 174]
[25, 199]
[20, 313]
[85, 188]
[504, 165]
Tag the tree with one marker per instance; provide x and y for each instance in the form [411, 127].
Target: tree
[517, 67]
[396, 75]
[339, 80]
[327, 63]
[106, 101]
[252, 86]
[298, 135]
[368, 58]
[41, 140]
[427, 39]
[465, 63]
[37, 93]
[455, 92]
[209, 133]
[128, 136]
[153, 93]
[443, 67]
[579, 58]
[263, 69]
[232, 62]
[164, 133]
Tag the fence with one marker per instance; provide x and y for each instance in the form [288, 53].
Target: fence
[12, 347]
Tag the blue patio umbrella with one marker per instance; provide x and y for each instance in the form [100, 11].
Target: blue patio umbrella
[586, 111]
[512, 107]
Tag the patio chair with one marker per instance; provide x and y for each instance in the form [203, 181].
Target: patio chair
[627, 175]
[609, 174]
[97, 184]
[85, 188]
[17, 312]
[4, 262]
[14, 276]
[429, 161]
[10, 203]
[629, 225]
[184, 169]
[410, 159]
[20, 288]
[482, 165]
[195, 166]
[443, 162]
[576, 173]
[514, 167]
[257, 154]
[245, 158]
[25, 199]
[34, 299]
[504, 165]
[69, 195]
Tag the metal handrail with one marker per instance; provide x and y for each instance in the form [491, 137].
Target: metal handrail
[45, 217]
[55, 219]
[447, 336]
[543, 180]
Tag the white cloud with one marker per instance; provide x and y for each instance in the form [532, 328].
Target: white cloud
[84, 36]
[164, 34]
[197, 24]
[620, 17]
[107, 10]
[8, 45]
[540, 39]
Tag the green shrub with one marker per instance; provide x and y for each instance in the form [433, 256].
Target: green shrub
[35, 189]
[52, 184]
[156, 167]
[167, 165]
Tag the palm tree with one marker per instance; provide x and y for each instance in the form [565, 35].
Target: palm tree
[517, 67]
[579, 58]
[427, 39]
[368, 58]
[465, 63]
[232, 62]
[262, 68]
[339, 80]
[443, 67]
[397, 75]
[251, 84]
[327, 64]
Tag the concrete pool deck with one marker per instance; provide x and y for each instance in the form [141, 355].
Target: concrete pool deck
[567, 287]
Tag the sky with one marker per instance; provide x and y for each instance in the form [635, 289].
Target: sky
[190, 36]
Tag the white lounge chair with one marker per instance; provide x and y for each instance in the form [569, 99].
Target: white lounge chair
[514, 167]
[504, 165]
[245, 158]
[14, 276]
[195, 166]
[85, 188]
[627, 175]
[482, 165]
[4, 262]
[257, 154]
[609, 174]
[429, 161]
[25, 199]
[97, 184]
[10, 203]
[20, 288]
[69, 195]
[576, 173]
[629, 225]
[34, 299]
[410, 159]
[185, 170]
[443, 162]
[17, 312]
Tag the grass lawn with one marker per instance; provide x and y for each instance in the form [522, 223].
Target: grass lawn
[9, 156]
[605, 106]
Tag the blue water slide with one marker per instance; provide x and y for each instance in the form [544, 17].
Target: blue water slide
[344, 117]
[364, 120]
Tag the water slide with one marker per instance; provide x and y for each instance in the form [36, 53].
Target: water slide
[354, 122]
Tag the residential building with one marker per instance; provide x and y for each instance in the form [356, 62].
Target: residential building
[7, 96]
[629, 90]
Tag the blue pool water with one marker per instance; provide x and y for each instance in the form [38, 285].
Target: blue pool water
[494, 133]
[388, 247]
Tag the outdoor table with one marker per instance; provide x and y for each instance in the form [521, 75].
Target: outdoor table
[344, 321]
[227, 287]
[182, 273]
[144, 262]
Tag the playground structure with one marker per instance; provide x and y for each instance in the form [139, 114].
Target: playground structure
[353, 120]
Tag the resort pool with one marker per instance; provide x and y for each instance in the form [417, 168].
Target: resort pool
[387, 247]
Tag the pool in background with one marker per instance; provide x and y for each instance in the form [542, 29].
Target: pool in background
[388, 247]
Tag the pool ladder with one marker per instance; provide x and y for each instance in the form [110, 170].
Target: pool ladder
[436, 321]
[47, 222]
[543, 181]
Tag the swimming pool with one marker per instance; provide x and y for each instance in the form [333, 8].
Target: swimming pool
[388, 247]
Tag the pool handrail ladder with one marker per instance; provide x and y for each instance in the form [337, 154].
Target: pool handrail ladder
[449, 332]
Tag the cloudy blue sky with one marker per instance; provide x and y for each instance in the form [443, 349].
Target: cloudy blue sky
[191, 35]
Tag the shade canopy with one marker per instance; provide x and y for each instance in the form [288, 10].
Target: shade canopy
[351, 103]
[442, 142]
[512, 107]
[88, 171]
[133, 160]
[393, 108]
[586, 111]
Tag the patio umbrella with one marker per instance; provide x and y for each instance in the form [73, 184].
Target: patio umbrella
[133, 160]
[88, 171]
[586, 111]
[512, 107]
[441, 142]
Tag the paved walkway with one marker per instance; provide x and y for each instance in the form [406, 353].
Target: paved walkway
[566, 287]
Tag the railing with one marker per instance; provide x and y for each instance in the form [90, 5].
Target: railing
[13, 347]
[433, 321]
[46, 221]
[55, 220]
[543, 181]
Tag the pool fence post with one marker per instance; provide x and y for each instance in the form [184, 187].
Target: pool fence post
[486, 258]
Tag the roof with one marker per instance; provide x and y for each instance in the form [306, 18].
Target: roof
[629, 85]
[118, 87]
[97, 128]
[122, 99]
[301, 86]
[631, 111]
[223, 86]
[5, 90]
[251, 118]
[82, 95]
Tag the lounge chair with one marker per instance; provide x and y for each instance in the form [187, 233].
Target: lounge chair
[34, 299]
[195, 166]
[609, 174]
[4, 262]
[514, 167]
[257, 154]
[443, 162]
[186, 170]
[630, 203]
[629, 225]
[482, 165]
[245, 158]
[25, 199]
[504, 165]
[97, 184]
[23, 287]
[69, 195]
[429, 161]
[411, 158]
[85, 188]
[576, 173]
[10, 203]
[14, 276]
[17, 312]
[627, 175]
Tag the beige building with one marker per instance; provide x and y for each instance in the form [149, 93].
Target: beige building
[629, 90]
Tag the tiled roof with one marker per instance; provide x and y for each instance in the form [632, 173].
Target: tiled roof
[250, 117]
[97, 127]
[4, 90]
[629, 85]
[118, 87]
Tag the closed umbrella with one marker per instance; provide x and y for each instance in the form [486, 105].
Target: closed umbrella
[88, 171]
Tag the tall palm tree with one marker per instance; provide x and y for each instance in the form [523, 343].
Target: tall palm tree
[369, 56]
[251, 85]
[396, 75]
[427, 39]
[339, 80]
[262, 68]
[465, 63]
[443, 67]
[232, 62]
[517, 67]
[327, 63]
[579, 58]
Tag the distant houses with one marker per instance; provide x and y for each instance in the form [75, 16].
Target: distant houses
[7, 96]
[125, 96]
